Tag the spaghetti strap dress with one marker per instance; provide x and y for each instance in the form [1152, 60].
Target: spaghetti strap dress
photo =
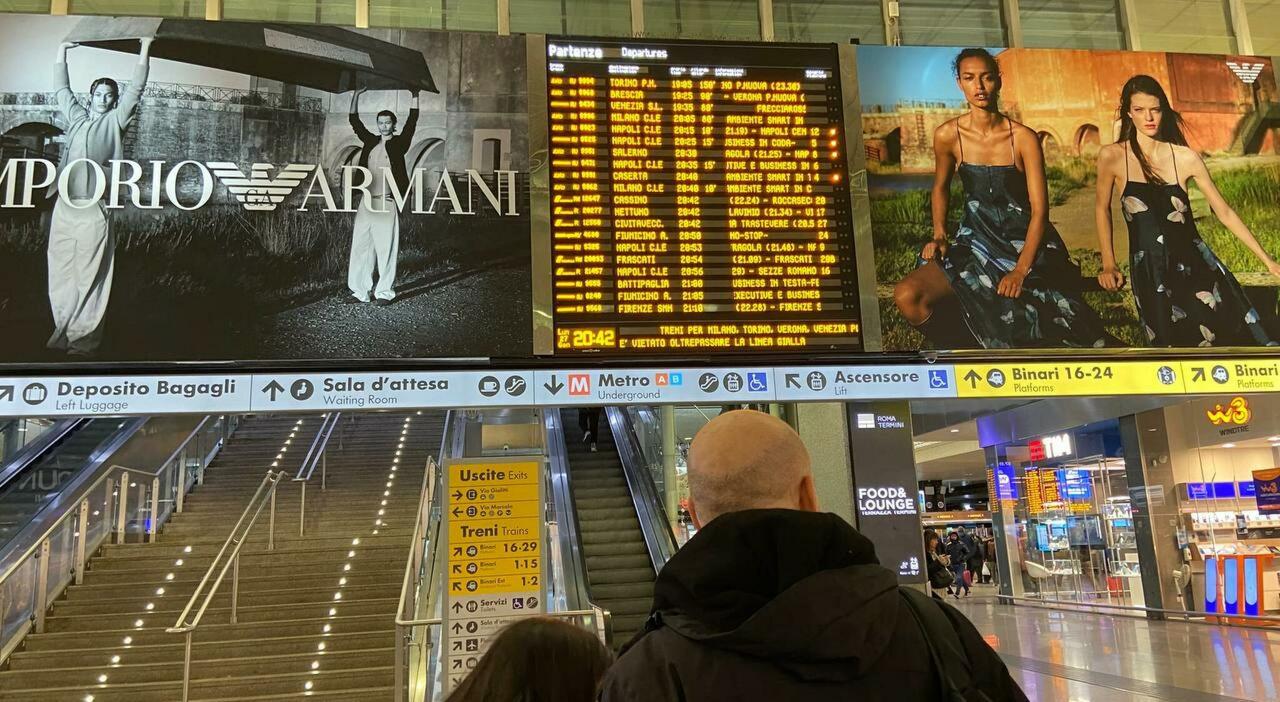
[1050, 312]
[1185, 296]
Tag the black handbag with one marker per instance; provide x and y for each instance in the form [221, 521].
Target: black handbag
[939, 575]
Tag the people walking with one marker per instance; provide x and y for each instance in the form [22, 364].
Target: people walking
[958, 553]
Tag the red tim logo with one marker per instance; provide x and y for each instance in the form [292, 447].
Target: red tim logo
[1036, 449]
[579, 384]
[660, 379]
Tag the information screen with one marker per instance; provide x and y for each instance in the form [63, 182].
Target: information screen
[699, 199]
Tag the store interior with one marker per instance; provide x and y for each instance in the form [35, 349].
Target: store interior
[1141, 504]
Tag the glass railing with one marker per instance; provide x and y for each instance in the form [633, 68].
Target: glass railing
[16, 434]
[101, 501]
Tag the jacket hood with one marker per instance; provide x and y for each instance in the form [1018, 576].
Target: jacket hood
[801, 589]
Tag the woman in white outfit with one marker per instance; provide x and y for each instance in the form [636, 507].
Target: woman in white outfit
[81, 248]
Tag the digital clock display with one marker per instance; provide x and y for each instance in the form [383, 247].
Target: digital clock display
[699, 199]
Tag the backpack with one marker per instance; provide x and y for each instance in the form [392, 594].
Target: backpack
[945, 648]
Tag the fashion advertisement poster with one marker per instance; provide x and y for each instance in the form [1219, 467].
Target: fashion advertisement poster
[1028, 198]
[189, 190]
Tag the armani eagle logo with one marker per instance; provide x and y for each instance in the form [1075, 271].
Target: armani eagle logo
[1246, 71]
[259, 191]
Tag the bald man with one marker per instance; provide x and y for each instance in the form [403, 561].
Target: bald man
[774, 600]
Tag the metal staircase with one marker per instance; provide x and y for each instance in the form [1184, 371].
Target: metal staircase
[314, 617]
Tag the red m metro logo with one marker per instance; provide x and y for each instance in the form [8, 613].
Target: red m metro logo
[579, 384]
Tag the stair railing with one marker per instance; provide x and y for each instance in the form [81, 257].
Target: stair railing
[228, 559]
[317, 455]
[84, 516]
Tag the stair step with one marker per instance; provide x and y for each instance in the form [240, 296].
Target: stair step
[126, 673]
[222, 688]
[172, 604]
[210, 631]
[255, 613]
[172, 652]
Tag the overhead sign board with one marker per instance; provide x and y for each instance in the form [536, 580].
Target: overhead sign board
[114, 395]
[357, 391]
[1016, 379]
[654, 386]
[1232, 376]
[34, 396]
[864, 382]
[495, 537]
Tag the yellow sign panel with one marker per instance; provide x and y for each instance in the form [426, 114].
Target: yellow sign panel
[493, 473]
[1218, 376]
[524, 509]
[473, 531]
[495, 584]
[494, 566]
[1013, 379]
[494, 493]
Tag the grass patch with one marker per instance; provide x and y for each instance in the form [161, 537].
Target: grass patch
[1254, 193]
[902, 223]
[202, 281]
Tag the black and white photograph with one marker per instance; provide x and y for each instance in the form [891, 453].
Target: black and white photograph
[181, 190]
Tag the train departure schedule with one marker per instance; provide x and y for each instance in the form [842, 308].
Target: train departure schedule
[699, 199]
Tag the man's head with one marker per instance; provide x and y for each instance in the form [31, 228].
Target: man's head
[386, 123]
[953, 536]
[104, 94]
[748, 460]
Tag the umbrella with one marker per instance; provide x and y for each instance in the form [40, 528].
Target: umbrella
[332, 59]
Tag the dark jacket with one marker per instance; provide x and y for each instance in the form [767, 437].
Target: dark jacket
[397, 146]
[787, 606]
[957, 552]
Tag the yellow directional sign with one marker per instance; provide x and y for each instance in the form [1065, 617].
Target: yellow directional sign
[494, 530]
[1214, 376]
[1068, 378]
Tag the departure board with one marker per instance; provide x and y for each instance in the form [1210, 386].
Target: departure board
[699, 199]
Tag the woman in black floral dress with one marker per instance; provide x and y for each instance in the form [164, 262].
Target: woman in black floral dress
[1185, 296]
[1003, 278]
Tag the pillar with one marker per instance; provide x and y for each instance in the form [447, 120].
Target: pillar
[824, 428]
[670, 481]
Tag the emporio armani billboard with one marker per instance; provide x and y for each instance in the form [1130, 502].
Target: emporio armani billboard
[188, 190]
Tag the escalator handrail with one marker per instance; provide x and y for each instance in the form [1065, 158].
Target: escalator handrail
[66, 504]
[566, 513]
[659, 540]
[35, 450]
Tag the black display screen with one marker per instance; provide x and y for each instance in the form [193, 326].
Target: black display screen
[699, 199]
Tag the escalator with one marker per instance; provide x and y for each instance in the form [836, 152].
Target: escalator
[34, 477]
[609, 499]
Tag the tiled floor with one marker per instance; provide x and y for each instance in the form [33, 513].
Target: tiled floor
[1066, 656]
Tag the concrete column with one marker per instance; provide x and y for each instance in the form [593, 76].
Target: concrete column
[59, 7]
[1240, 26]
[670, 481]
[1128, 10]
[824, 428]
[1011, 14]
[766, 20]
[213, 11]
[637, 18]
[1155, 505]
[892, 29]
[504, 17]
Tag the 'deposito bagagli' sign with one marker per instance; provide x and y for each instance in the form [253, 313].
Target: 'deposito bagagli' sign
[495, 537]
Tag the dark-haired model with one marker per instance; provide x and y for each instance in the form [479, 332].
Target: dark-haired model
[1185, 296]
[375, 239]
[81, 247]
[1007, 269]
